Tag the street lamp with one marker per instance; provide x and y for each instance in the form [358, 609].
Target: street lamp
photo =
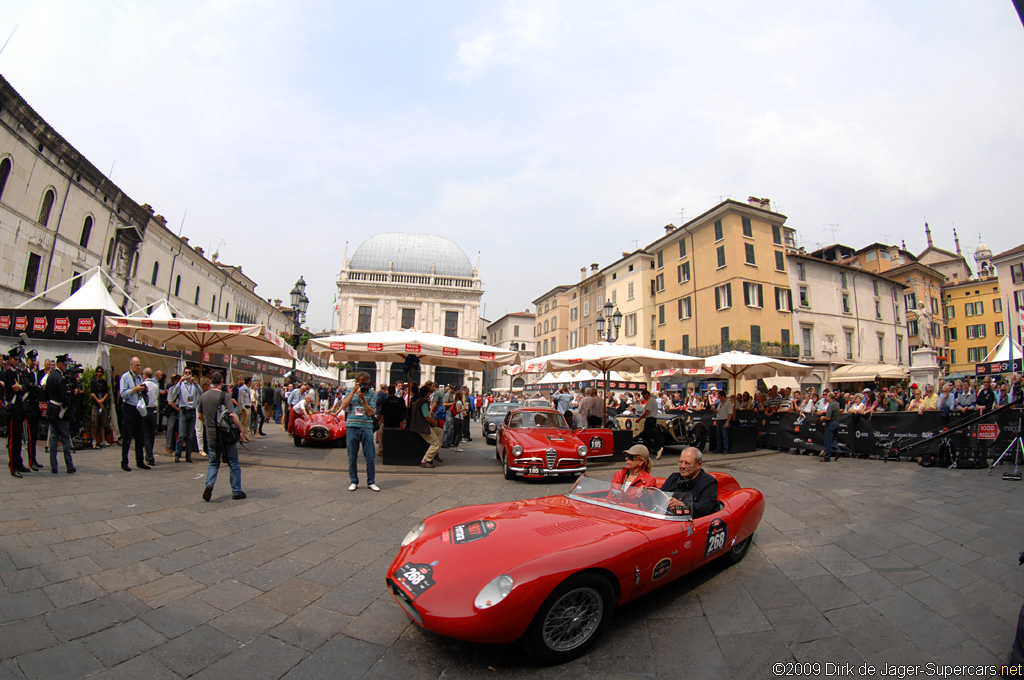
[612, 314]
[299, 305]
[515, 347]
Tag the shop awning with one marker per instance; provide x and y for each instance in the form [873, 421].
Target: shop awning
[868, 373]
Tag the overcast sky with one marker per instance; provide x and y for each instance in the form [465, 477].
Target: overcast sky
[544, 135]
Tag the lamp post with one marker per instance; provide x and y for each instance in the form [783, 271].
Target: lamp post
[514, 346]
[299, 305]
[614, 323]
[613, 319]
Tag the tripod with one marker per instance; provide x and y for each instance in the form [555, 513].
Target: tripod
[1018, 448]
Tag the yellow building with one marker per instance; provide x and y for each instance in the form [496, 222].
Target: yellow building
[720, 281]
[551, 332]
[975, 321]
[628, 287]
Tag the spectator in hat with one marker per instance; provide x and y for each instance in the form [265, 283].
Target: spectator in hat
[637, 471]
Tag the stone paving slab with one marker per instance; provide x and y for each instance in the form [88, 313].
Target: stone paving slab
[113, 575]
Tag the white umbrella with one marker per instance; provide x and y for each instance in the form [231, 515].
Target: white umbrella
[202, 336]
[394, 346]
[606, 357]
[737, 364]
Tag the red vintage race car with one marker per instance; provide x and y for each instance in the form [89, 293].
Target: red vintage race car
[536, 442]
[320, 427]
[550, 571]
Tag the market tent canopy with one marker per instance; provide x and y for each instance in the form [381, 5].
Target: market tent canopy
[394, 346]
[747, 365]
[92, 295]
[1002, 351]
[868, 373]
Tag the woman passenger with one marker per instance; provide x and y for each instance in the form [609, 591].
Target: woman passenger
[637, 471]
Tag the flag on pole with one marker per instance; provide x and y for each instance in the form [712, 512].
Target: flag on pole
[335, 302]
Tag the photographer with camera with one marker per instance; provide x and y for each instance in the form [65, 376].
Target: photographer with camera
[133, 392]
[360, 406]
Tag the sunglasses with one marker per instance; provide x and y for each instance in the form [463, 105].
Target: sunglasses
[630, 456]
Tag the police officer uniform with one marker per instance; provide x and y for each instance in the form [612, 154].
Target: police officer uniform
[13, 399]
[30, 402]
[58, 412]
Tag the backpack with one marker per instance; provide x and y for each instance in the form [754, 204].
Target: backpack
[227, 431]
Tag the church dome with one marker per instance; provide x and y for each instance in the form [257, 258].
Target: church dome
[411, 254]
[982, 252]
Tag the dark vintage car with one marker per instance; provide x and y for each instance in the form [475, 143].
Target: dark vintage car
[668, 429]
[549, 572]
[536, 442]
[492, 417]
[320, 427]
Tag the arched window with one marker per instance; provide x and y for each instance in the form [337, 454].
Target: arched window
[213, 305]
[196, 301]
[177, 286]
[110, 252]
[44, 210]
[5, 172]
[156, 270]
[86, 232]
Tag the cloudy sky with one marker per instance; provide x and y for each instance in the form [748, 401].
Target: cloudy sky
[544, 135]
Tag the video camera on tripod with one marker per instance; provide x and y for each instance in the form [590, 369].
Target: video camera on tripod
[944, 434]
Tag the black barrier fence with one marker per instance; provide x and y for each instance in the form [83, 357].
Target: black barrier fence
[878, 434]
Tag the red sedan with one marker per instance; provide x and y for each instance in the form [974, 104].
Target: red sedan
[549, 572]
[320, 427]
[536, 442]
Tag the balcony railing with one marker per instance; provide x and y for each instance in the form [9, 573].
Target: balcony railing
[783, 350]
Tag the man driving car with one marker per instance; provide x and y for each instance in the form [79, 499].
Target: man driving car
[692, 479]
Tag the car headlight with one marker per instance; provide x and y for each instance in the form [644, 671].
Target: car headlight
[582, 451]
[492, 427]
[517, 451]
[494, 592]
[413, 534]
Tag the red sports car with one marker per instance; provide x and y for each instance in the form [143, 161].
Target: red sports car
[550, 571]
[320, 427]
[536, 442]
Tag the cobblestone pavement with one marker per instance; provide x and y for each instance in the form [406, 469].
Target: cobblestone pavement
[116, 575]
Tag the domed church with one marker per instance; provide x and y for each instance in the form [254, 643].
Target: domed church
[419, 281]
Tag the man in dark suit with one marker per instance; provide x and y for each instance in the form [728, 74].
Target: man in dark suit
[33, 393]
[693, 481]
[57, 412]
[14, 393]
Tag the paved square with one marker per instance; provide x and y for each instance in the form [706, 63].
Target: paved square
[108, 574]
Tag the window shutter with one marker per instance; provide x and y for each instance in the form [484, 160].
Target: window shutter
[728, 293]
[746, 294]
[760, 295]
[778, 299]
[718, 298]
[789, 297]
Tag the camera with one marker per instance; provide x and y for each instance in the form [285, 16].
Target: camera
[364, 388]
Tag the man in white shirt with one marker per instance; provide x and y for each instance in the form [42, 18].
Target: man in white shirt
[186, 398]
[152, 406]
[131, 389]
[245, 407]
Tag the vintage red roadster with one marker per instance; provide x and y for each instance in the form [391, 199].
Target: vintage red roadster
[320, 427]
[536, 442]
[549, 572]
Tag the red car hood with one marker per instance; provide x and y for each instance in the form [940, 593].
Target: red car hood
[468, 547]
[541, 439]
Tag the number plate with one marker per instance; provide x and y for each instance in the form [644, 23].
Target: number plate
[416, 579]
[718, 532]
[535, 470]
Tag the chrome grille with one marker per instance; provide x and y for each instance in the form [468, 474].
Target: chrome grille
[319, 432]
[552, 457]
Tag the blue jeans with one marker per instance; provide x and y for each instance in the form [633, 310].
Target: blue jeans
[186, 426]
[830, 439]
[354, 437]
[230, 456]
[723, 436]
[59, 432]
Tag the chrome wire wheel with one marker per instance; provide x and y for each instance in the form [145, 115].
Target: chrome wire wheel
[573, 619]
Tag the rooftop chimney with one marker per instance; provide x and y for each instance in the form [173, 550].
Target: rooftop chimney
[583, 273]
[199, 249]
[593, 267]
[763, 203]
[669, 227]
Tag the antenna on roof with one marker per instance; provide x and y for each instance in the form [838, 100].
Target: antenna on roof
[636, 244]
[8, 39]
[682, 215]
[832, 228]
